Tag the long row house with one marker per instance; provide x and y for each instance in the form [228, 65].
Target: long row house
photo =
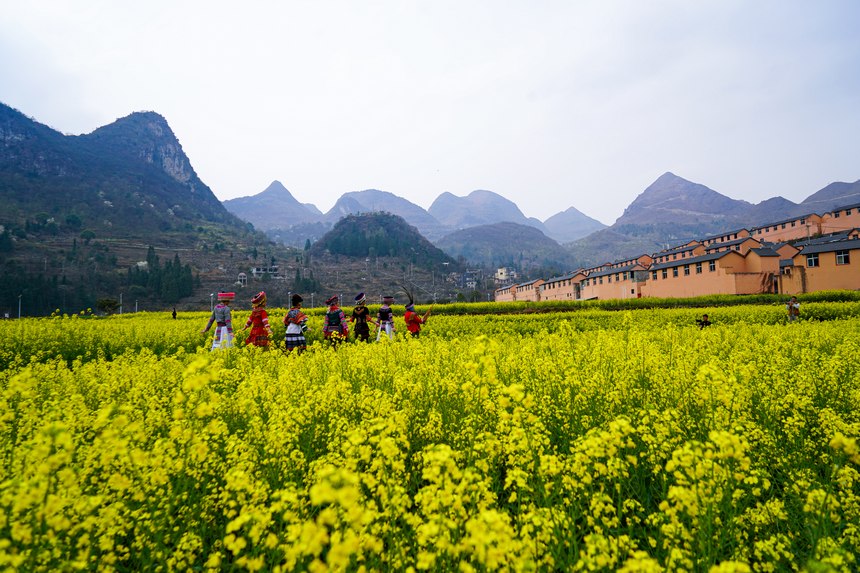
[804, 254]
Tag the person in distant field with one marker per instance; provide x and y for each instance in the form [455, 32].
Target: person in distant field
[412, 318]
[223, 321]
[174, 313]
[297, 324]
[793, 308]
[703, 322]
[335, 327]
[259, 322]
[361, 318]
[385, 316]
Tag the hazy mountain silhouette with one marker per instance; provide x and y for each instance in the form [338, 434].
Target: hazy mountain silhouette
[273, 208]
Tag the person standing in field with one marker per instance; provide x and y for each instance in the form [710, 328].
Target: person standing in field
[335, 328]
[259, 322]
[703, 322]
[412, 318]
[361, 318]
[223, 322]
[385, 318]
[297, 324]
[793, 308]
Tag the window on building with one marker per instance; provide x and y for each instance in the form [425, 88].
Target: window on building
[712, 266]
[601, 280]
[686, 270]
[803, 221]
[842, 258]
[812, 260]
[793, 223]
[665, 273]
[836, 214]
[847, 212]
[783, 226]
[609, 278]
[698, 268]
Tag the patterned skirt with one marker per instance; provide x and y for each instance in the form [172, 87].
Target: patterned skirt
[295, 341]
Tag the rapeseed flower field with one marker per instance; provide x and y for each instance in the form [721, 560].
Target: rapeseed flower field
[588, 441]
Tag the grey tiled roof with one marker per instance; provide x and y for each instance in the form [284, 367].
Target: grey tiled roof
[849, 245]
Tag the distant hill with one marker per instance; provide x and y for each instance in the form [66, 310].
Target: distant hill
[672, 211]
[128, 178]
[372, 235]
[273, 208]
[834, 195]
[478, 208]
[374, 200]
[506, 244]
[769, 210]
[570, 225]
[672, 199]
[80, 212]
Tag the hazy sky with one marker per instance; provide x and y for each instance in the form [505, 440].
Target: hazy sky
[551, 104]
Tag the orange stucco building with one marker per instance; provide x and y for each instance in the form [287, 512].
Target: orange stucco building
[615, 281]
[789, 230]
[841, 219]
[790, 256]
[826, 263]
[505, 294]
[529, 291]
[564, 287]
[726, 272]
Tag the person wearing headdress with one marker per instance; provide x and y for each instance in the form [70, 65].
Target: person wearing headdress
[385, 316]
[223, 322]
[335, 327]
[297, 324]
[413, 319]
[361, 318]
[259, 322]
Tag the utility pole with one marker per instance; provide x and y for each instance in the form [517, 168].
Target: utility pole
[120, 303]
[19, 305]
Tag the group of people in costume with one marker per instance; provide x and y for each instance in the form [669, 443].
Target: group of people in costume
[335, 323]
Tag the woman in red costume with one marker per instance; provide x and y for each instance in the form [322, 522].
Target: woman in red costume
[259, 322]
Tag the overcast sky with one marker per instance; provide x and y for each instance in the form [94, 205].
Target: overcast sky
[551, 104]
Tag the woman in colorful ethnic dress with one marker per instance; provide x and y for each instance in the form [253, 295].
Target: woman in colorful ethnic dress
[259, 322]
[297, 324]
[223, 322]
[361, 318]
[386, 318]
[335, 328]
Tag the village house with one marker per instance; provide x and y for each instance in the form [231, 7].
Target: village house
[506, 293]
[687, 251]
[505, 275]
[790, 256]
[841, 219]
[742, 245]
[726, 272]
[564, 287]
[616, 281]
[529, 291]
[826, 263]
[725, 237]
[790, 229]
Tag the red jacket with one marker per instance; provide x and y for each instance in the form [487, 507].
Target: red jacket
[413, 321]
